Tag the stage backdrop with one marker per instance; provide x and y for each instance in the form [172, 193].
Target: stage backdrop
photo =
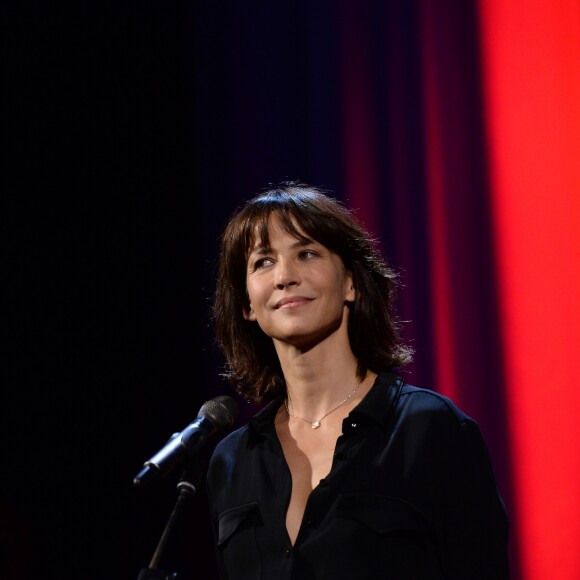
[131, 132]
[454, 129]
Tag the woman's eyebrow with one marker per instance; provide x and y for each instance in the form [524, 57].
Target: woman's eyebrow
[265, 248]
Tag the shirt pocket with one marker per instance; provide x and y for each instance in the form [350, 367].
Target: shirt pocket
[382, 514]
[390, 532]
[237, 540]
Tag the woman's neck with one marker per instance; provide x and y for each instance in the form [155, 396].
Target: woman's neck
[316, 381]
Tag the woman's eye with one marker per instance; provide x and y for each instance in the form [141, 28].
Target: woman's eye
[261, 263]
[307, 254]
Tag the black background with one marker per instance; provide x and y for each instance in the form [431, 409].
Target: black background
[130, 130]
[107, 327]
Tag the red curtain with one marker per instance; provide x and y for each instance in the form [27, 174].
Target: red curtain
[488, 235]
[531, 56]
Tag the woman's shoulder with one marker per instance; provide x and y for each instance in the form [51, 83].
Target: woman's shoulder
[396, 403]
[423, 400]
[255, 420]
[435, 418]
[231, 441]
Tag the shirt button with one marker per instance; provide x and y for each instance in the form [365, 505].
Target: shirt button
[288, 552]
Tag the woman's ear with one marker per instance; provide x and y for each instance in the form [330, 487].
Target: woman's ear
[249, 313]
[350, 292]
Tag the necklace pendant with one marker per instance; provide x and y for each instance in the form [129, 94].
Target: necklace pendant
[315, 424]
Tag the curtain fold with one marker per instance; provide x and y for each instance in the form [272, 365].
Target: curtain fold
[464, 158]
[453, 128]
[531, 56]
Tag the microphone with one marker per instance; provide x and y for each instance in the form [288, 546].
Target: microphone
[215, 416]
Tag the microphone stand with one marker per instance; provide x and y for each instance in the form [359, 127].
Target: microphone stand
[186, 488]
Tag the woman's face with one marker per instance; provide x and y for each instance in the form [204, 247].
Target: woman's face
[298, 290]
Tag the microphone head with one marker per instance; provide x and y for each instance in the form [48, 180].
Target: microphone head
[222, 411]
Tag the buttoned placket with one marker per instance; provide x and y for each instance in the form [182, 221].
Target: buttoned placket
[322, 495]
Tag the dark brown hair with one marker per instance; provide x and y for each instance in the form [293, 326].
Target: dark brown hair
[252, 365]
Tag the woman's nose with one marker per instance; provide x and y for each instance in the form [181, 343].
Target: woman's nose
[285, 275]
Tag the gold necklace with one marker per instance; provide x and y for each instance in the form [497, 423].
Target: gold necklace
[315, 424]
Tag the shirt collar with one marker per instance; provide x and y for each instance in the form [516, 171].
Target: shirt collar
[263, 420]
[375, 406]
[379, 402]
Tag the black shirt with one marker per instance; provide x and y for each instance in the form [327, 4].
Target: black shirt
[411, 495]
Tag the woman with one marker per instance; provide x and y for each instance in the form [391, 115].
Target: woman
[347, 472]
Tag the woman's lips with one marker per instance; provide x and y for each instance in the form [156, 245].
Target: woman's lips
[291, 302]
